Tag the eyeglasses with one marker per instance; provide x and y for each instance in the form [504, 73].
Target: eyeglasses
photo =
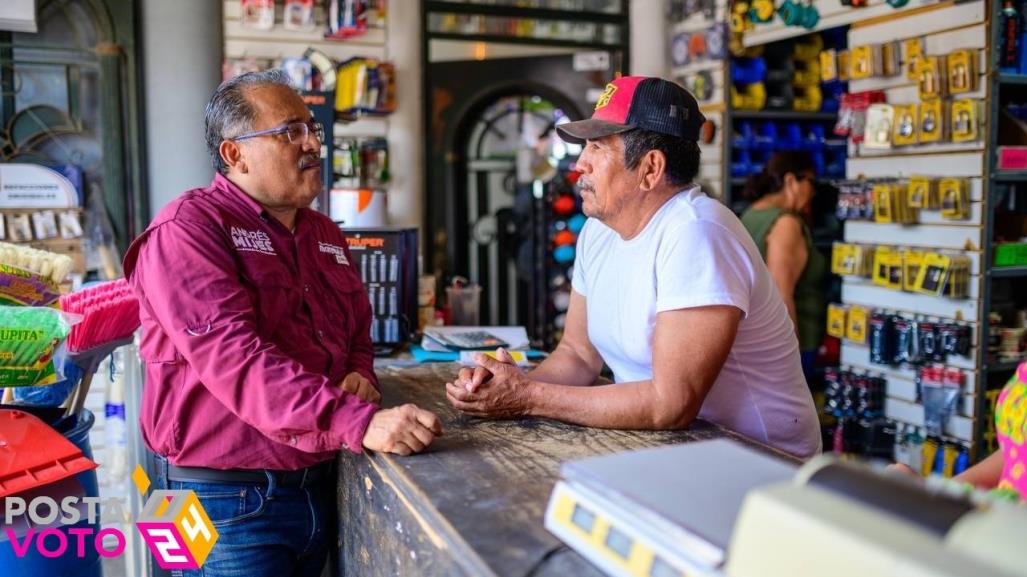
[298, 132]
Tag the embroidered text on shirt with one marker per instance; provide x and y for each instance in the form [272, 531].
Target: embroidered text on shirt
[252, 241]
[340, 255]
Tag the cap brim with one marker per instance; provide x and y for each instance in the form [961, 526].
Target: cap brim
[589, 129]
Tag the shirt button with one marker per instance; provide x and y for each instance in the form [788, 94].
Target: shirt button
[345, 446]
[306, 288]
[292, 440]
[320, 334]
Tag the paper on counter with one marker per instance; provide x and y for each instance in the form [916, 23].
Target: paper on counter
[516, 337]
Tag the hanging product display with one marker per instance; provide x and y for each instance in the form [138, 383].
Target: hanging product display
[298, 15]
[964, 120]
[912, 49]
[880, 119]
[932, 122]
[365, 86]
[962, 71]
[906, 129]
[931, 77]
[258, 14]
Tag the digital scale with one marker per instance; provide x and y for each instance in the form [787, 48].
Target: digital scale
[719, 508]
[661, 512]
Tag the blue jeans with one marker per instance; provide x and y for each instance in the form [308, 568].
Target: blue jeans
[263, 530]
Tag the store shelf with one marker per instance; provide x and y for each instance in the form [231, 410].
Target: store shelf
[1008, 78]
[833, 14]
[783, 115]
[520, 12]
[1010, 176]
[1009, 271]
[1003, 366]
[500, 39]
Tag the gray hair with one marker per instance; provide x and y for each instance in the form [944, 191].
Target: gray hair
[228, 112]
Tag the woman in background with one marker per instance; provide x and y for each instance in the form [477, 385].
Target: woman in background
[782, 195]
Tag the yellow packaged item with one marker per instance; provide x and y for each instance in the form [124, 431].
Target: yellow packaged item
[829, 65]
[961, 66]
[842, 260]
[911, 262]
[918, 192]
[933, 274]
[964, 120]
[955, 199]
[851, 259]
[884, 203]
[888, 268]
[861, 62]
[913, 51]
[856, 325]
[890, 62]
[931, 77]
[932, 121]
[904, 213]
[836, 318]
[906, 131]
[844, 65]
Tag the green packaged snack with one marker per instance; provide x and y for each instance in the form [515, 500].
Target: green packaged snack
[31, 345]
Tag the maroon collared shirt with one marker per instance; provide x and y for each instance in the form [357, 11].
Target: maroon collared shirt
[248, 329]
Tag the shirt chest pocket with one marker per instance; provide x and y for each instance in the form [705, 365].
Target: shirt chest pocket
[343, 296]
[273, 295]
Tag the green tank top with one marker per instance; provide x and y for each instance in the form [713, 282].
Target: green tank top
[810, 308]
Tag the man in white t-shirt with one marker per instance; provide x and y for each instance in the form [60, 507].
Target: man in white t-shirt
[669, 291]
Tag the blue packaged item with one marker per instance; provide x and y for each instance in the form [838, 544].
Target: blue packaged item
[744, 138]
[814, 139]
[962, 462]
[939, 461]
[835, 166]
[748, 70]
[766, 137]
[792, 137]
[740, 164]
[818, 162]
[1010, 38]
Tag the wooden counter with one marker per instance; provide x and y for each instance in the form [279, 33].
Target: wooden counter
[473, 504]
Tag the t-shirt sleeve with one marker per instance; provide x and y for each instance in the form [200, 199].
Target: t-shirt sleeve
[578, 278]
[703, 264]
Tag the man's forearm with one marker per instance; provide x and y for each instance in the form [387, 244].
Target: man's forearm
[635, 405]
[565, 367]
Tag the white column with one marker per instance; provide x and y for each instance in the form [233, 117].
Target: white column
[406, 133]
[182, 48]
[648, 38]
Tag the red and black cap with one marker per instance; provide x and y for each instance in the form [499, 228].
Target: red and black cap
[631, 102]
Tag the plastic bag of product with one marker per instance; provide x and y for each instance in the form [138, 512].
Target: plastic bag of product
[50, 395]
[939, 404]
[30, 277]
[32, 345]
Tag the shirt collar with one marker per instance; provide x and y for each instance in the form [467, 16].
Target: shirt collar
[221, 182]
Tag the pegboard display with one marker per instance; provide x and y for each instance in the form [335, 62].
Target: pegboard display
[699, 40]
[913, 201]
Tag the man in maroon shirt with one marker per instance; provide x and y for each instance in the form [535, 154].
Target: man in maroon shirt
[256, 340]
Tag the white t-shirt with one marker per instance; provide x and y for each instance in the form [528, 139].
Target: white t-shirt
[695, 252]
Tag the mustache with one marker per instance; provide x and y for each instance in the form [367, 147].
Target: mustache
[583, 184]
[310, 160]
